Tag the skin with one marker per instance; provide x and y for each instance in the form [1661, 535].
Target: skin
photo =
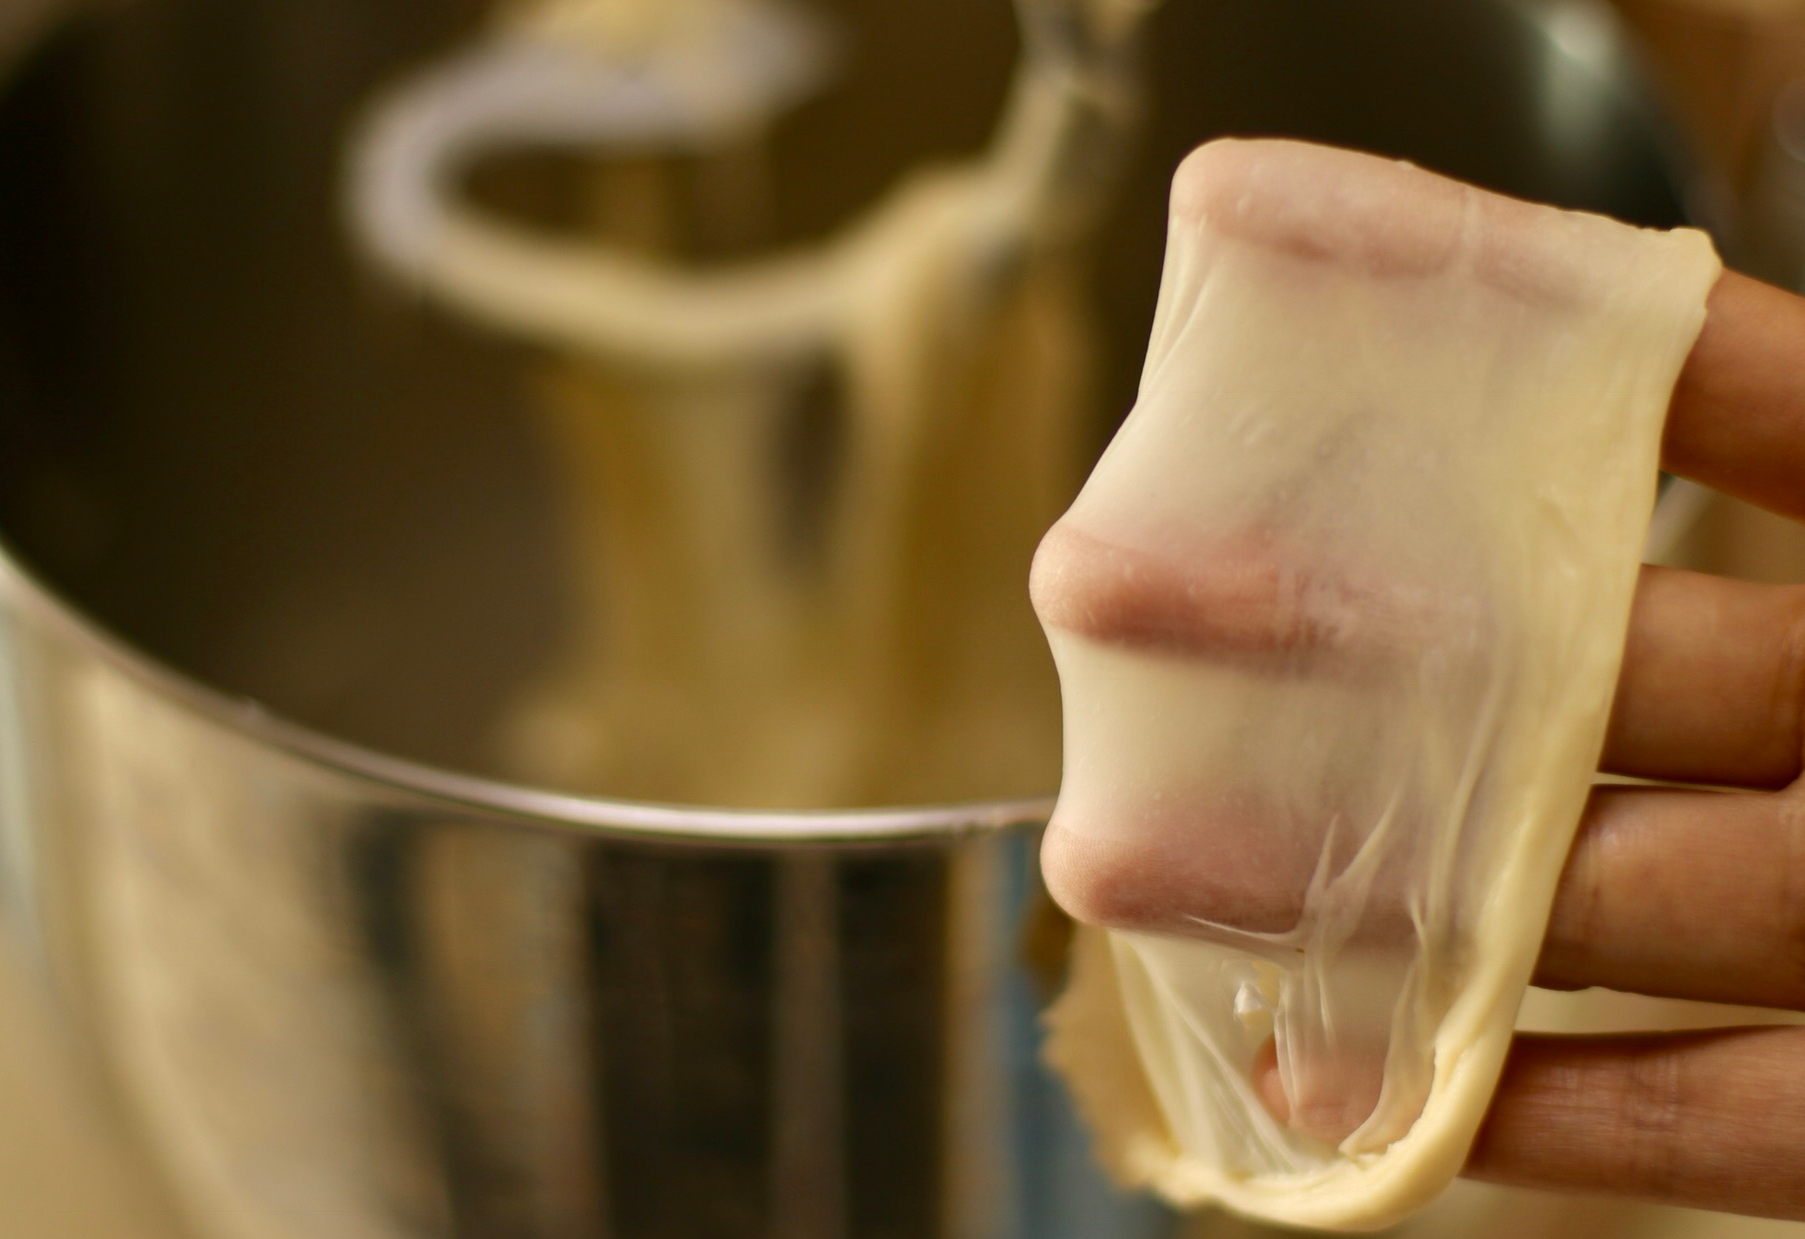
[1684, 893]
[1678, 891]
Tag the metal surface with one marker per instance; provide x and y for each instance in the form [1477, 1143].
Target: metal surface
[344, 993]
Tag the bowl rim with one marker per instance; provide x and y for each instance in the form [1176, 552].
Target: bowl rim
[26, 597]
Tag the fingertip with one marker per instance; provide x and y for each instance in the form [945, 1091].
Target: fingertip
[1267, 1084]
[1336, 1098]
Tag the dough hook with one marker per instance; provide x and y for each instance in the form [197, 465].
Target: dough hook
[560, 74]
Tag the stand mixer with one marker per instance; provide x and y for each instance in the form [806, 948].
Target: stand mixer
[350, 962]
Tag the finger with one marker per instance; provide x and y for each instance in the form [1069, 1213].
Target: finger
[1191, 872]
[1713, 682]
[1243, 599]
[1710, 1120]
[1696, 895]
[1737, 419]
[1684, 894]
[1330, 1106]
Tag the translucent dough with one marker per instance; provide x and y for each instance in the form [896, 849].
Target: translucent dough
[1337, 618]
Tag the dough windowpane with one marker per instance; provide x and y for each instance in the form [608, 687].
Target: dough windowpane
[1337, 618]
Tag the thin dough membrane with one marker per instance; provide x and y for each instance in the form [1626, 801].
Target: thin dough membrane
[1337, 618]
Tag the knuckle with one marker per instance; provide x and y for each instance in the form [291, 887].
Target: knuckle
[1097, 881]
[1213, 176]
[1166, 879]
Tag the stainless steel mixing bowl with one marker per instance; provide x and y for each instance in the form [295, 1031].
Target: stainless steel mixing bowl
[279, 543]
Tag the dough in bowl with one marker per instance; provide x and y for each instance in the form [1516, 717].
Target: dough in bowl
[1338, 618]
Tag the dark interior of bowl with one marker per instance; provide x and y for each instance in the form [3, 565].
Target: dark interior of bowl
[235, 446]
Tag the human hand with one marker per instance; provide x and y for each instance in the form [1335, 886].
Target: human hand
[1695, 894]
[1685, 893]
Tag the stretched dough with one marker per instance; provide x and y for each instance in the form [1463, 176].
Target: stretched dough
[1338, 618]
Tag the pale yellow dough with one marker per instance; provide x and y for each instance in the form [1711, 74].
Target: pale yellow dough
[1337, 620]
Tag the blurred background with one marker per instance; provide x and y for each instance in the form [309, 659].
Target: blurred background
[256, 433]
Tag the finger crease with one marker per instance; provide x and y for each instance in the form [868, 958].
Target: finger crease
[1790, 935]
[1582, 885]
[1655, 1106]
[1789, 687]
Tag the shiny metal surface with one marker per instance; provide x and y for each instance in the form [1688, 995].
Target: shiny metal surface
[344, 991]
[346, 1008]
